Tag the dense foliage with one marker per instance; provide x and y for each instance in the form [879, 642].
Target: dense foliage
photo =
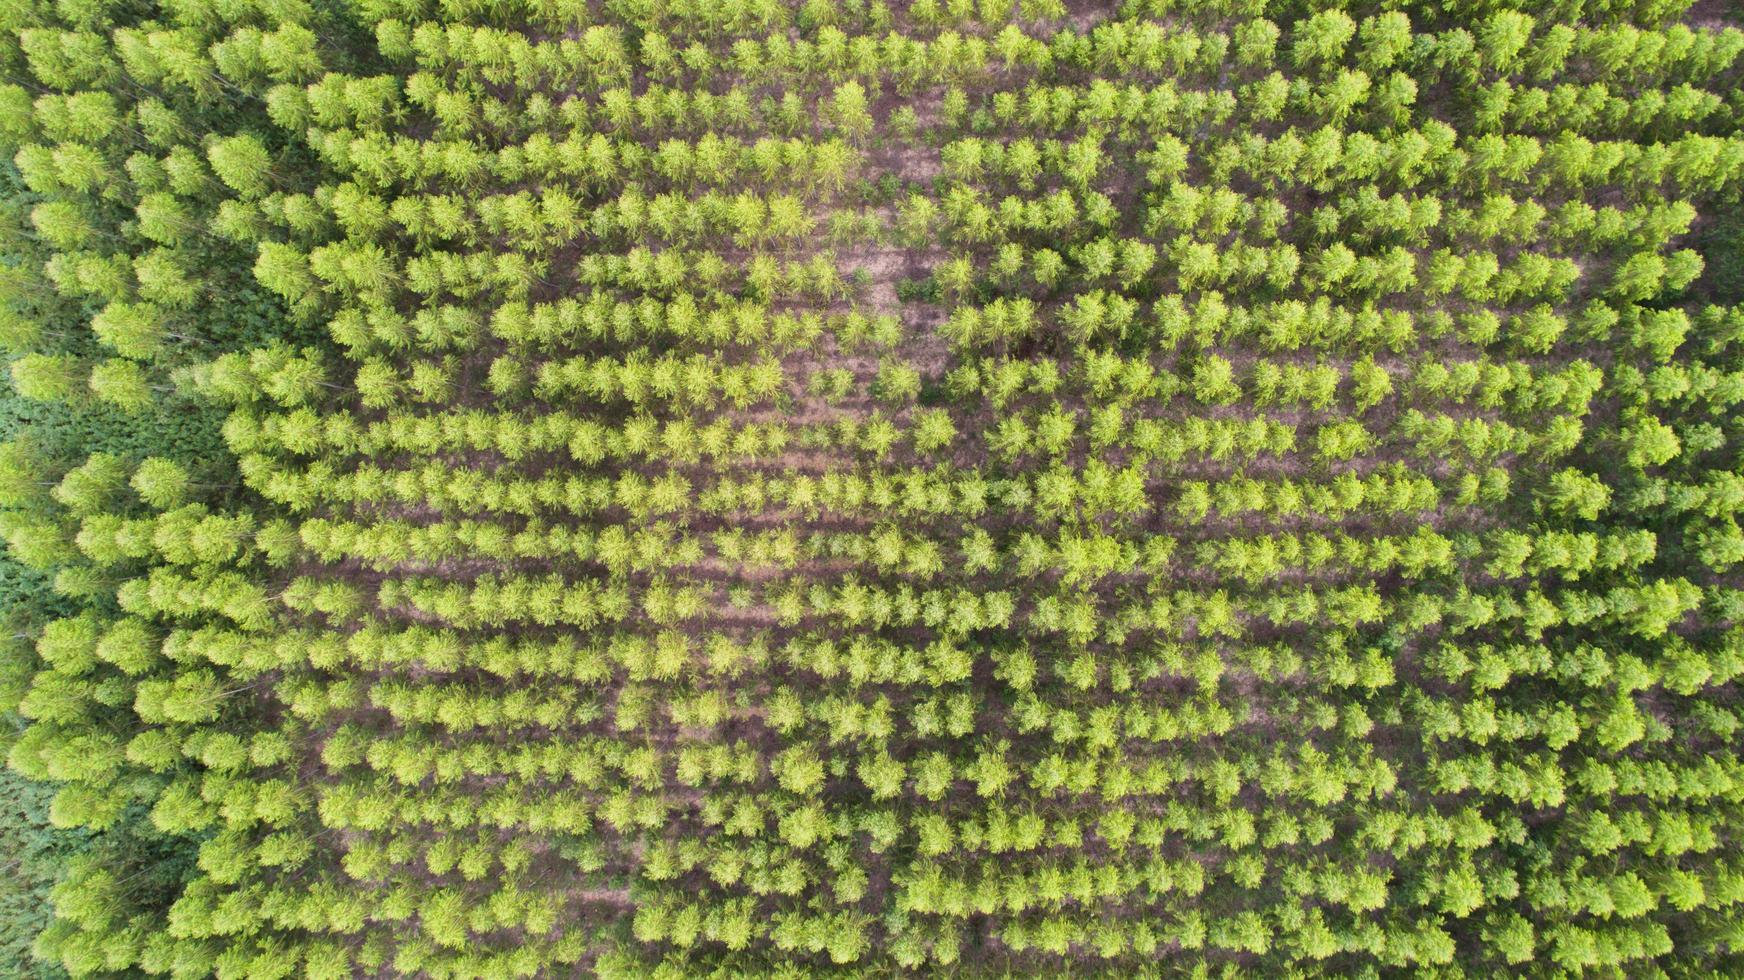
[670, 488]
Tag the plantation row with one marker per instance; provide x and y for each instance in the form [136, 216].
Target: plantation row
[839, 488]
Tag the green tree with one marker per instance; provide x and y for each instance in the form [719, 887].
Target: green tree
[242, 163]
[49, 377]
[122, 383]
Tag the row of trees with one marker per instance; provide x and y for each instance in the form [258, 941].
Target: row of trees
[189, 535]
